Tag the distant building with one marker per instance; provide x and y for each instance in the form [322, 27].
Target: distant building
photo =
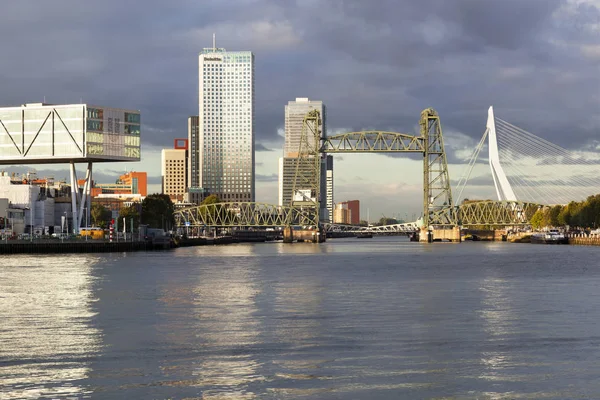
[327, 197]
[354, 207]
[194, 155]
[174, 171]
[342, 214]
[36, 205]
[128, 183]
[195, 193]
[115, 202]
[226, 127]
[295, 111]
[137, 181]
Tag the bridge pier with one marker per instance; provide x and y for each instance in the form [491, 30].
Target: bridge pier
[303, 235]
[429, 235]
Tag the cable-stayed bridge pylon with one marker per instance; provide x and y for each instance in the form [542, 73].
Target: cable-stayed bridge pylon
[528, 168]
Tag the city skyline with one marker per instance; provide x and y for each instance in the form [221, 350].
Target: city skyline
[375, 66]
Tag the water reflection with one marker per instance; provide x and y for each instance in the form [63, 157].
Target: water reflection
[222, 305]
[497, 313]
[45, 325]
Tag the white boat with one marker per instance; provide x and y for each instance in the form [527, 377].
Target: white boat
[553, 236]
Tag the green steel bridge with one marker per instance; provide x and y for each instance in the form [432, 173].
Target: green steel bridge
[496, 214]
[439, 210]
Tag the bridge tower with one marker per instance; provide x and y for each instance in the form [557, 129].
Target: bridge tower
[307, 178]
[438, 209]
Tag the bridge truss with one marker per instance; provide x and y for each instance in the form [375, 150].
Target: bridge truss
[242, 214]
[496, 213]
[408, 227]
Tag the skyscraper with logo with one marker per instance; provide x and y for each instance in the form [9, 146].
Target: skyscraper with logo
[225, 124]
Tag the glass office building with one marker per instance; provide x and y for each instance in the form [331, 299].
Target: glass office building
[225, 124]
[47, 133]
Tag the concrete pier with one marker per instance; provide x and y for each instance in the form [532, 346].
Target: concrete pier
[303, 235]
[439, 235]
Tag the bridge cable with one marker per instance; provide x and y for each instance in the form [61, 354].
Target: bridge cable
[469, 169]
[515, 141]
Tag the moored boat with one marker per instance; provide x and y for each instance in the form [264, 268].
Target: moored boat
[553, 236]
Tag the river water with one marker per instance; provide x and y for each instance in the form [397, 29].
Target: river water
[378, 318]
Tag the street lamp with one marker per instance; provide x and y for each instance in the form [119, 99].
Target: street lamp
[87, 232]
[62, 237]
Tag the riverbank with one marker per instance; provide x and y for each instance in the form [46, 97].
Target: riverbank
[78, 246]
[54, 246]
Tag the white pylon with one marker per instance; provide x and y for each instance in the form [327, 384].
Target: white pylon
[503, 188]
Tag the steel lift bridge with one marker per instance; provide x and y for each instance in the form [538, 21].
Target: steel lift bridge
[439, 211]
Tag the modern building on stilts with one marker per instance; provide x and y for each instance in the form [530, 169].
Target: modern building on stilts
[40, 133]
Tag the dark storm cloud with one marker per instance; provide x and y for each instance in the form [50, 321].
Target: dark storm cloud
[375, 64]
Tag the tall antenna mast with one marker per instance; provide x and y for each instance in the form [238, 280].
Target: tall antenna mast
[214, 43]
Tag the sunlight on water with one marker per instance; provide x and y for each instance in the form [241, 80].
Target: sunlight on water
[377, 319]
[45, 314]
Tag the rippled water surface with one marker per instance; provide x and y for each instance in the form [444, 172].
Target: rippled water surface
[349, 319]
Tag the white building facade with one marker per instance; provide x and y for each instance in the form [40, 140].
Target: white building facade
[225, 124]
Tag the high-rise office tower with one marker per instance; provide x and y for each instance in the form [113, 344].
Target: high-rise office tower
[194, 155]
[225, 121]
[295, 111]
[195, 193]
[327, 175]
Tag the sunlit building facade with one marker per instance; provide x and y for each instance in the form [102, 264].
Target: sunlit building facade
[225, 123]
[174, 170]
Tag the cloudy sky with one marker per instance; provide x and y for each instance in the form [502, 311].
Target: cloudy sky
[376, 65]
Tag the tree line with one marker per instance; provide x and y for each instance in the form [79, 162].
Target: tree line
[156, 211]
[584, 214]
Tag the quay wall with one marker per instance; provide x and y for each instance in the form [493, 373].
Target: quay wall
[78, 247]
[584, 240]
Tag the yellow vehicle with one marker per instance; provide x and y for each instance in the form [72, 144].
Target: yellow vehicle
[93, 232]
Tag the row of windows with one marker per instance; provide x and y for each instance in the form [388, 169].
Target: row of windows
[134, 118]
[95, 113]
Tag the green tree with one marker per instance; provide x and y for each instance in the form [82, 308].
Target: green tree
[553, 214]
[128, 213]
[564, 216]
[100, 215]
[212, 199]
[214, 210]
[538, 219]
[157, 211]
